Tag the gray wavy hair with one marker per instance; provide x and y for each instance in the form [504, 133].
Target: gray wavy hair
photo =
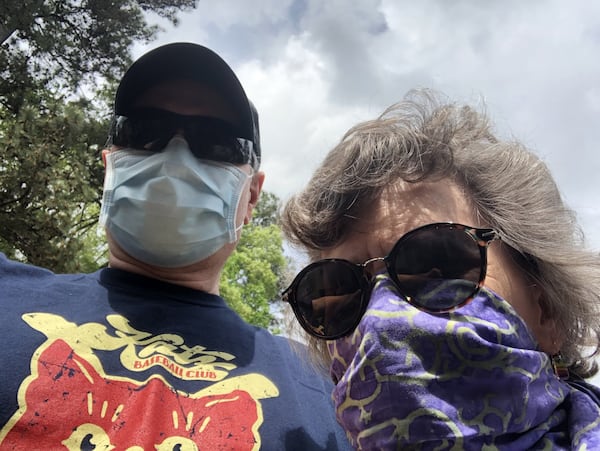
[427, 137]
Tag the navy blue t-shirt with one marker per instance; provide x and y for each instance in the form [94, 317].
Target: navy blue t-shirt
[112, 358]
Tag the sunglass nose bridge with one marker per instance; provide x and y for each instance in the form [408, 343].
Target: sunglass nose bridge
[371, 261]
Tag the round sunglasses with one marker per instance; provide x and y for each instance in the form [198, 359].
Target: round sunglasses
[209, 138]
[437, 268]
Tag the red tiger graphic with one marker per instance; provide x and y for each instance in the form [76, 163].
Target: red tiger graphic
[69, 405]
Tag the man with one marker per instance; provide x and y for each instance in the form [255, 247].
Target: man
[145, 353]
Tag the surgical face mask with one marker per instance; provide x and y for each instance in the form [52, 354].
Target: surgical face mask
[170, 209]
[470, 379]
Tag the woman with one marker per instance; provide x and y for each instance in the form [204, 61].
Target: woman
[450, 290]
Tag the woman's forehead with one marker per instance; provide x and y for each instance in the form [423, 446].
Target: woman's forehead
[405, 206]
[399, 209]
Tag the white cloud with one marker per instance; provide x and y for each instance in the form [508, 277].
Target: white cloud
[291, 96]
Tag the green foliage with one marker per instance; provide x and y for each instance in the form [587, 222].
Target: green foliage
[267, 210]
[59, 60]
[58, 44]
[50, 173]
[251, 277]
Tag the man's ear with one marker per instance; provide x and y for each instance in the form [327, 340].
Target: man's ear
[104, 153]
[256, 185]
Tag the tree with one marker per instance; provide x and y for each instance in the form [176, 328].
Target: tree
[252, 276]
[59, 44]
[267, 210]
[59, 60]
[49, 178]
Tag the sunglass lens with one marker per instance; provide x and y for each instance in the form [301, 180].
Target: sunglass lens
[142, 132]
[437, 268]
[208, 137]
[229, 151]
[215, 139]
[329, 298]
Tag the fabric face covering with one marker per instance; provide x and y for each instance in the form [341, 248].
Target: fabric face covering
[471, 379]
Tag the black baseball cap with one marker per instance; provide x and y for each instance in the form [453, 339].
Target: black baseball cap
[185, 60]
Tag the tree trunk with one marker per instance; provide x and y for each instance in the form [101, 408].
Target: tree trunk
[5, 33]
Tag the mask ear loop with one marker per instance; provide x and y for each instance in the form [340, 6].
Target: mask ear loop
[245, 185]
[107, 190]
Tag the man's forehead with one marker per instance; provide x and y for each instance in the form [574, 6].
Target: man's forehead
[187, 97]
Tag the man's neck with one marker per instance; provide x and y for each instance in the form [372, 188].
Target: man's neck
[201, 276]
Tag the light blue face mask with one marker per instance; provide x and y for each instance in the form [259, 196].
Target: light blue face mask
[169, 208]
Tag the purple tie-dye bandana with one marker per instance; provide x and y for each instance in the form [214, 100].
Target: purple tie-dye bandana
[471, 379]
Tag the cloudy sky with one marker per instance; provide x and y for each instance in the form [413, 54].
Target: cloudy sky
[316, 67]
